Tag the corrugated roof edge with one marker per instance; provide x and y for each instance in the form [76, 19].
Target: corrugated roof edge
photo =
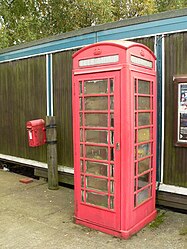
[100, 27]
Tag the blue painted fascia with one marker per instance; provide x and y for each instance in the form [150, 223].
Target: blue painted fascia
[145, 29]
[77, 41]
[148, 28]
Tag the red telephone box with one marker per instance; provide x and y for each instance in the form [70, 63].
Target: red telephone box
[114, 123]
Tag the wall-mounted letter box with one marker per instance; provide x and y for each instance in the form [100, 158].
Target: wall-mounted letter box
[114, 125]
[36, 132]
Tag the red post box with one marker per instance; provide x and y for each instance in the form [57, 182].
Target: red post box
[114, 125]
[36, 132]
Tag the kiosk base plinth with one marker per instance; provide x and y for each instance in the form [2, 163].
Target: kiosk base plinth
[124, 234]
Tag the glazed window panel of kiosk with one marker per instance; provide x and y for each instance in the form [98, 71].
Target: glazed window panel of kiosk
[144, 165]
[97, 168]
[97, 183]
[143, 102]
[144, 118]
[97, 199]
[95, 86]
[96, 103]
[144, 135]
[97, 136]
[144, 87]
[96, 107]
[97, 152]
[99, 120]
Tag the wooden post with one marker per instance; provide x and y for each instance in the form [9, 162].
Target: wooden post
[52, 153]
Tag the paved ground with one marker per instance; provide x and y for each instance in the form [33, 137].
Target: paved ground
[31, 216]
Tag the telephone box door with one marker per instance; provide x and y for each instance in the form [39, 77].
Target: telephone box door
[96, 105]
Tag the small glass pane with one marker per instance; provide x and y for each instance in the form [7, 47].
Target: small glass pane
[111, 103]
[144, 118]
[97, 184]
[144, 150]
[135, 201]
[97, 168]
[135, 103]
[81, 135]
[111, 202]
[135, 169]
[144, 103]
[81, 123]
[80, 103]
[143, 181]
[96, 152]
[81, 166]
[143, 165]
[135, 136]
[82, 196]
[112, 170]
[97, 199]
[97, 136]
[95, 86]
[96, 103]
[143, 87]
[80, 88]
[111, 154]
[81, 150]
[135, 152]
[82, 181]
[135, 86]
[112, 187]
[143, 195]
[111, 137]
[144, 135]
[135, 119]
[112, 120]
[96, 120]
[135, 184]
[111, 85]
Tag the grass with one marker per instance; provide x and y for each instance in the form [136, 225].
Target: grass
[159, 220]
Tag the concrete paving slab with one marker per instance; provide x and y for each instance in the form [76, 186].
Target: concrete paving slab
[31, 216]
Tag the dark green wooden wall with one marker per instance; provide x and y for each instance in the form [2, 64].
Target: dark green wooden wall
[22, 98]
[62, 75]
[175, 158]
[147, 41]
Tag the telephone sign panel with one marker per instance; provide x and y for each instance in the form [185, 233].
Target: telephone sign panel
[114, 123]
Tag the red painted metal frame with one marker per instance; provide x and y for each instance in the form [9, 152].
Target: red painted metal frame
[128, 216]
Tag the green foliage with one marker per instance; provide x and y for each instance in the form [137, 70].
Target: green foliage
[164, 5]
[159, 220]
[27, 20]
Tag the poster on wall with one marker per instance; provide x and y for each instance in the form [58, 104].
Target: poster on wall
[182, 112]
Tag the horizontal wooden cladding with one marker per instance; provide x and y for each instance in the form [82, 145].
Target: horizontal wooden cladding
[172, 200]
[175, 158]
[22, 98]
[62, 80]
